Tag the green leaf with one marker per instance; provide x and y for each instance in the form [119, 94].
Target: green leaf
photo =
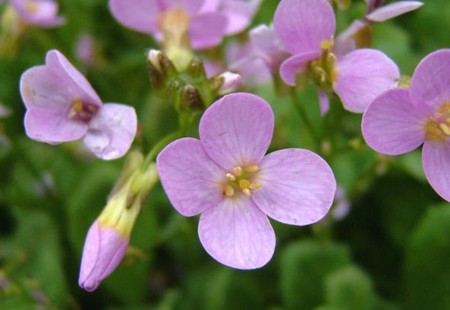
[427, 271]
[304, 267]
[350, 288]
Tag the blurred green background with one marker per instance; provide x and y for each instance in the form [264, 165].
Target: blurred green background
[390, 252]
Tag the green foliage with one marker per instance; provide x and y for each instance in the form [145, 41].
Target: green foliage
[427, 272]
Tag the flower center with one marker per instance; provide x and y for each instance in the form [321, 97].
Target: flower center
[437, 127]
[82, 111]
[322, 70]
[241, 180]
[174, 25]
[31, 6]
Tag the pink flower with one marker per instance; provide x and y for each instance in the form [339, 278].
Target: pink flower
[43, 13]
[259, 59]
[401, 120]
[206, 21]
[358, 34]
[62, 106]
[225, 177]
[306, 28]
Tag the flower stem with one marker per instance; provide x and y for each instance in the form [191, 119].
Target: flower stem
[304, 116]
[151, 156]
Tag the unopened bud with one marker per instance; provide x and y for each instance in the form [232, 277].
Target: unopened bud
[225, 83]
[191, 99]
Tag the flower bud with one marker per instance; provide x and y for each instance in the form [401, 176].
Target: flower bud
[108, 238]
[225, 83]
[102, 253]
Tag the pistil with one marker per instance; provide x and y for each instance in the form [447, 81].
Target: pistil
[241, 180]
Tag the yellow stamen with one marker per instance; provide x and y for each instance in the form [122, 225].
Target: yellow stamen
[244, 184]
[445, 129]
[237, 171]
[31, 6]
[229, 191]
[254, 186]
[252, 168]
[230, 177]
[246, 192]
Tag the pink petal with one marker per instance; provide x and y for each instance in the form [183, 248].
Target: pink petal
[56, 84]
[111, 131]
[297, 187]
[302, 26]
[103, 251]
[139, 15]
[43, 13]
[436, 164]
[210, 6]
[191, 7]
[430, 84]
[391, 125]
[237, 129]
[324, 102]
[393, 10]
[345, 41]
[52, 125]
[363, 75]
[76, 84]
[207, 30]
[295, 65]
[189, 177]
[237, 234]
[239, 14]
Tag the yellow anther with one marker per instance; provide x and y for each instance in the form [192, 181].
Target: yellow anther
[230, 177]
[254, 186]
[246, 192]
[252, 168]
[229, 191]
[244, 184]
[445, 129]
[237, 171]
[31, 6]
[77, 106]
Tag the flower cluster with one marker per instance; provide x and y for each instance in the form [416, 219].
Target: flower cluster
[224, 174]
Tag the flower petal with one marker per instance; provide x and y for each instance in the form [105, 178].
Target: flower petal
[436, 164]
[139, 15]
[52, 125]
[237, 129]
[191, 7]
[189, 177]
[391, 125]
[56, 84]
[393, 10]
[295, 65]
[324, 102]
[103, 251]
[239, 14]
[297, 187]
[237, 234]
[363, 75]
[39, 13]
[430, 84]
[111, 131]
[207, 30]
[302, 26]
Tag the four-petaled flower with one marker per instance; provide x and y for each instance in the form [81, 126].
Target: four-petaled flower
[401, 120]
[226, 177]
[43, 13]
[206, 21]
[306, 28]
[62, 106]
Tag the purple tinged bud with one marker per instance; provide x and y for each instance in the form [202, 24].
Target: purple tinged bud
[103, 251]
[108, 238]
[226, 83]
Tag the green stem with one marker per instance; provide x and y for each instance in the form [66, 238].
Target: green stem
[304, 116]
[151, 156]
